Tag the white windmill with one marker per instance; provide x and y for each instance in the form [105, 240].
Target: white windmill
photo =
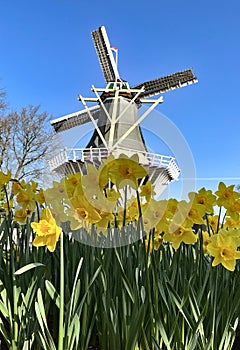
[117, 121]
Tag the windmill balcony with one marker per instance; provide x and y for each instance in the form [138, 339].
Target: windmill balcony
[162, 169]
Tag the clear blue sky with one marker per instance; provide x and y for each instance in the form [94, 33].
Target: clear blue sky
[47, 57]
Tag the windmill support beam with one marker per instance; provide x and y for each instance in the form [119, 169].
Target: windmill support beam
[92, 119]
[144, 100]
[101, 102]
[88, 99]
[113, 120]
[120, 90]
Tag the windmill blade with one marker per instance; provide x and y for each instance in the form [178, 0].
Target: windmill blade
[169, 82]
[75, 119]
[105, 54]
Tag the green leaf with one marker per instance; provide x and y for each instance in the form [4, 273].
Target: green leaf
[27, 268]
[52, 293]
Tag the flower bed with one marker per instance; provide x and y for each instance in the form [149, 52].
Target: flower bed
[115, 271]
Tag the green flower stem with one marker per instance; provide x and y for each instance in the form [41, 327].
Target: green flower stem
[61, 312]
[219, 217]
[14, 286]
[15, 306]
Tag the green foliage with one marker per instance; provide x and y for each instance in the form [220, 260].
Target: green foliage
[123, 298]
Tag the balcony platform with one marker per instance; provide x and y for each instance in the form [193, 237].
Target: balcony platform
[161, 169]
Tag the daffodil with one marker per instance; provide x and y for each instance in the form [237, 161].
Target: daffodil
[233, 209]
[58, 191]
[73, 184]
[112, 195]
[147, 191]
[47, 231]
[155, 211]
[26, 197]
[5, 178]
[82, 213]
[179, 234]
[40, 197]
[34, 185]
[213, 222]
[153, 242]
[223, 247]
[171, 207]
[130, 214]
[17, 186]
[192, 213]
[230, 223]
[126, 171]
[90, 181]
[58, 212]
[21, 215]
[162, 225]
[204, 197]
[107, 221]
[205, 241]
[103, 171]
[226, 194]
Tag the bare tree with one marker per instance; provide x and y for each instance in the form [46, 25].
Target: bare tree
[26, 138]
[3, 103]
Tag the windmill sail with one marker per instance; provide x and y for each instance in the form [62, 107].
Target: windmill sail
[105, 54]
[75, 119]
[166, 83]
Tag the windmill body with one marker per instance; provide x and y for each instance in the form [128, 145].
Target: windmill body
[128, 115]
[116, 119]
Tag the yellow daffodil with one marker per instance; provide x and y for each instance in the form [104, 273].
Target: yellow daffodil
[213, 222]
[21, 215]
[26, 197]
[104, 171]
[153, 242]
[162, 225]
[73, 184]
[40, 197]
[126, 171]
[179, 234]
[192, 213]
[58, 212]
[155, 211]
[82, 213]
[205, 241]
[233, 209]
[47, 231]
[112, 195]
[223, 247]
[90, 181]
[34, 185]
[171, 207]
[205, 198]
[147, 191]
[131, 212]
[58, 191]
[226, 194]
[230, 223]
[17, 186]
[107, 221]
[5, 178]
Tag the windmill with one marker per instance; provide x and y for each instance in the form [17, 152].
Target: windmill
[116, 119]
